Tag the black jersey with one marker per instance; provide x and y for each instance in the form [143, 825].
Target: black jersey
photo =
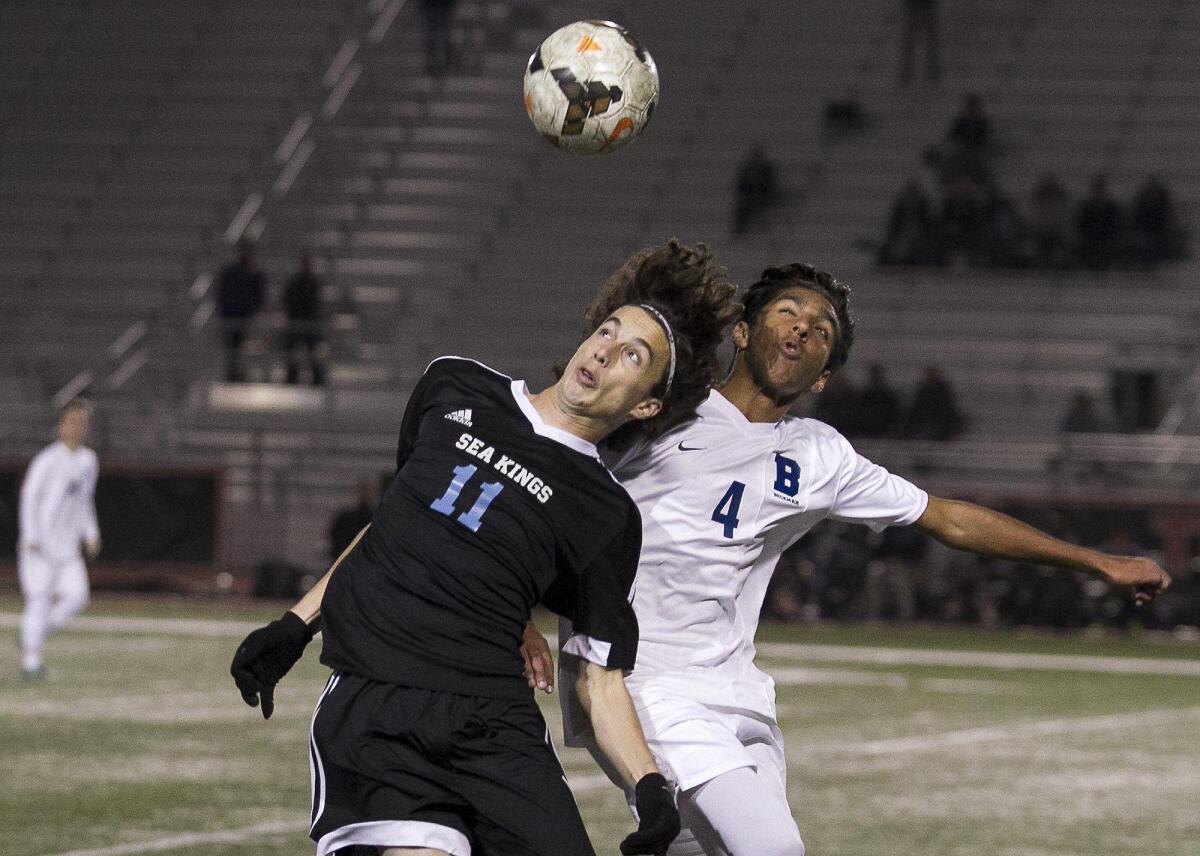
[490, 512]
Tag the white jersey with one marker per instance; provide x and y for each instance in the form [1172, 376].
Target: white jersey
[58, 511]
[721, 498]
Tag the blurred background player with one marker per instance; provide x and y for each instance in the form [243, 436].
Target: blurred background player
[426, 735]
[57, 518]
[721, 498]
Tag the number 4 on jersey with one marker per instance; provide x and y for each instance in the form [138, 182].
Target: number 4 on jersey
[726, 512]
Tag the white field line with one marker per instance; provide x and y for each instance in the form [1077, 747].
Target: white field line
[801, 676]
[580, 784]
[814, 653]
[1019, 731]
[980, 659]
[191, 839]
[968, 685]
[160, 626]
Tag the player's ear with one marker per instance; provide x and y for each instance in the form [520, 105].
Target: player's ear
[741, 335]
[819, 386]
[646, 409]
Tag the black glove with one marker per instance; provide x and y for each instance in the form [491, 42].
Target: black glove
[265, 656]
[659, 819]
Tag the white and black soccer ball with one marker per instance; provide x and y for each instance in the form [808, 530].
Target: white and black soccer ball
[590, 88]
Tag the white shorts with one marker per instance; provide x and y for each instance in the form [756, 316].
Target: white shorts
[694, 743]
[41, 574]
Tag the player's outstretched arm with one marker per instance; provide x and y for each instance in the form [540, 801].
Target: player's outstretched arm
[269, 653]
[619, 735]
[967, 526]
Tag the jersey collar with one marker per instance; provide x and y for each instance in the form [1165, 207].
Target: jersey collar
[730, 411]
[520, 393]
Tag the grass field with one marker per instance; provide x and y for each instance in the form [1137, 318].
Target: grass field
[1019, 745]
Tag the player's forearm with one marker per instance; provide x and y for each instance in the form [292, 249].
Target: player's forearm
[309, 606]
[614, 722]
[967, 526]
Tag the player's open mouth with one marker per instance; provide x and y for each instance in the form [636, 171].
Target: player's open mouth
[791, 349]
[586, 378]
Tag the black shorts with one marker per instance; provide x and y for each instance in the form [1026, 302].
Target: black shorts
[403, 767]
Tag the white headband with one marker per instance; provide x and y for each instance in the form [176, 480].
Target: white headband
[670, 341]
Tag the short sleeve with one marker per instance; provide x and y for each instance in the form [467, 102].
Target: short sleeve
[868, 493]
[410, 426]
[597, 601]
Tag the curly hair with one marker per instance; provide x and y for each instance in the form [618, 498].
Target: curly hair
[777, 279]
[699, 302]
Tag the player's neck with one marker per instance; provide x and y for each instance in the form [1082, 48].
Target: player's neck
[751, 399]
[549, 407]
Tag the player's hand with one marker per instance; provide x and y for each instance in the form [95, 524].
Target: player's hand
[265, 656]
[659, 819]
[1143, 575]
[539, 662]
[91, 548]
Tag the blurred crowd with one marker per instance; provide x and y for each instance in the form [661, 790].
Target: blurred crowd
[972, 220]
[847, 572]
[876, 410]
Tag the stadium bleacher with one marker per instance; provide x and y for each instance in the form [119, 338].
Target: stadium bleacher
[446, 225]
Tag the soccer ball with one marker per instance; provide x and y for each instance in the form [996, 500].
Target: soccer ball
[590, 88]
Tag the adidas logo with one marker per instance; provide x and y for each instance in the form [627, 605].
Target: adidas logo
[462, 416]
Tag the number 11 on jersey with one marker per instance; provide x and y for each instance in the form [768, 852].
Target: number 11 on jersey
[472, 519]
[726, 512]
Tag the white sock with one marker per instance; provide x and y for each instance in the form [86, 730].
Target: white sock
[34, 626]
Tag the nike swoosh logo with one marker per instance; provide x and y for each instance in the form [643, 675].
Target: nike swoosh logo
[684, 448]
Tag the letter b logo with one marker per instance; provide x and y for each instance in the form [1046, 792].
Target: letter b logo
[787, 476]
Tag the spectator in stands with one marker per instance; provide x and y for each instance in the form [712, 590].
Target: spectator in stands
[912, 236]
[756, 187]
[1083, 417]
[1004, 230]
[349, 521]
[968, 141]
[964, 223]
[971, 129]
[791, 594]
[837, 405]
[477, 26]
[1136, 402]
[890, 583]
[57, 514]
[1050, 224]
[934, 413]
[302, 303]
[878, 405]
[1154, 233]
[439, 48]
[1098, 227]
[240, 291]
[920, 22]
